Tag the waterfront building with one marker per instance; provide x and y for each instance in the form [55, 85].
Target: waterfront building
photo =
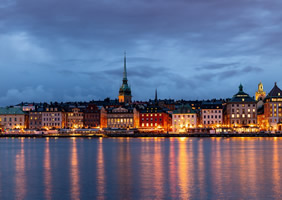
[75, 118]
[241, 112]
[35, 118]
[53, 117]
[273, 109]
[184, 118]
[154, 118]
[211, 114]
[125, 90]
[120, 117]
[13, 118]
[92, 116]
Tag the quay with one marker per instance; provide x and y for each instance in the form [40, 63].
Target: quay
[140, 135]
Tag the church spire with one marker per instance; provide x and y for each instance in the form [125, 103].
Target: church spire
[124, 91]
[124, 67]
[156, 95]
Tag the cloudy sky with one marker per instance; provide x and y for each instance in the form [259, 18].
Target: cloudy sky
[70, 50]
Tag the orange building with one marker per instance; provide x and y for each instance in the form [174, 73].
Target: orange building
[273, 109]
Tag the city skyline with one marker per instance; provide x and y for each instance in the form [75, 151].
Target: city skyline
[76, 54]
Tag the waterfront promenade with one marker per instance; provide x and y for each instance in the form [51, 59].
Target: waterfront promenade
[148, 135]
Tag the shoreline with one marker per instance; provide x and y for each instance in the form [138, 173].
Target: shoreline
[147, 135]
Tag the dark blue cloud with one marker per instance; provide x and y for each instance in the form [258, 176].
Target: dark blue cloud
[73, 50]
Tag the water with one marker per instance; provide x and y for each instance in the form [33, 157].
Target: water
[145, 168]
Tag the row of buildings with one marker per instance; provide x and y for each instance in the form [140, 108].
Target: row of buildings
[241, 113]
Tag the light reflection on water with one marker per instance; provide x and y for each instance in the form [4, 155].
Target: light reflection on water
[144, 168]
[20, 174]
[74, 172]
[47, 171]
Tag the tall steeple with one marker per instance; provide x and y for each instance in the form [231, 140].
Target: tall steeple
[124, 67]
[260, 94]
[156, 95]
[124, 91]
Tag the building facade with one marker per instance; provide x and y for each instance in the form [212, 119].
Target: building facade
[53, 117]
[183, 119]
[13, 118]
[241, 111]
[92, 116]
[75, 118]
[273, 109]
[211, 114]
[120, 118]
[35, 118]
[154, 118]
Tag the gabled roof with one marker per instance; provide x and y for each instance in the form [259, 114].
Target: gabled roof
[275, 92]
[184, 109]
[11, 111]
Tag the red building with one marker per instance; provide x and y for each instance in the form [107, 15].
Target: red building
[91, 116]
[154, 118]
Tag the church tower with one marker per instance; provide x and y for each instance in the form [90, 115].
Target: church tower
[260, 94]
[124, 91]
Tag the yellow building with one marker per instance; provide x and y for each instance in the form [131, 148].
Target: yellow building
[13, 118]
[183, 119]
[75, 118]
[273, 109]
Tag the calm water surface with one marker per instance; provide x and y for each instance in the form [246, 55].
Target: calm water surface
[145, 168]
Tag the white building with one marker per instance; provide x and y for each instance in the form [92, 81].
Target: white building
[53, 117]
[184, 118]
[211, 114]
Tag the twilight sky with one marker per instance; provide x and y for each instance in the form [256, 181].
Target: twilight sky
[69, 50]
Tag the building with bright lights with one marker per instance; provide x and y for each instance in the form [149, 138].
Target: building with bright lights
[184, 118]
[92, 116]
[35, 118]
[13, 118]
[120, 117]
[211, 114]
[241, 112]
[154, 118]
[273, 109]
[125, 90]
[75, 118]
[53, 117]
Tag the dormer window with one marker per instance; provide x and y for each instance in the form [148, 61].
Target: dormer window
[278, 94]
